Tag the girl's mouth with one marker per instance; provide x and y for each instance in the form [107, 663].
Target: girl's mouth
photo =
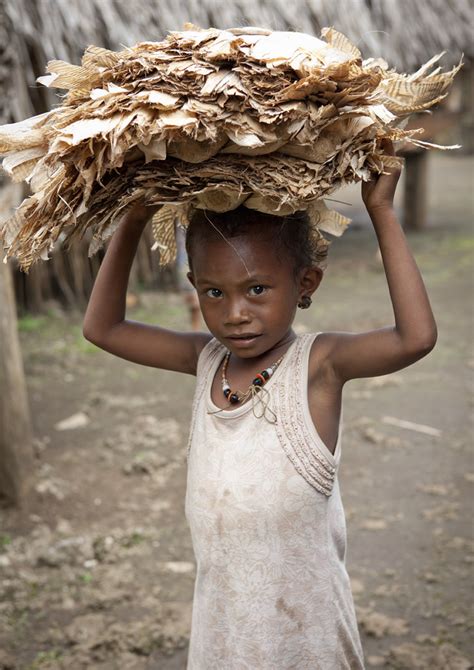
[242, 340]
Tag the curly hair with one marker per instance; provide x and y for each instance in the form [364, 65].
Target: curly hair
[293, 235]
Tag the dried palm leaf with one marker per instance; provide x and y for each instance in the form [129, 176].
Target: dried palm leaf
[211, 119]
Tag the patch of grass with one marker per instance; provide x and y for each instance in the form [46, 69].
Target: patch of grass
[34, 589]
[133, 539]
[46, 327]
[18, 618]
[5, 540]
[86, 577]
[31, 324]
[81, 344]
[457, 243]
[44, 658]
[434, 252]
[163, 312]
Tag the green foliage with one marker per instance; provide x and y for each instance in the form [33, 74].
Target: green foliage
[5, 540]
[44, 658]
[81, 344]
[31, 324]
[133, 539]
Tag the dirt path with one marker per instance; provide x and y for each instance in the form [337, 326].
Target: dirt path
[98, 571]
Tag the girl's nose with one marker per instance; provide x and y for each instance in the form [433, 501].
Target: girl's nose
[237, 313]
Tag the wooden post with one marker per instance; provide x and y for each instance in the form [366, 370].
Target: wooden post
[466, 82]
[34, 289]
[16, 451]
[415, 205]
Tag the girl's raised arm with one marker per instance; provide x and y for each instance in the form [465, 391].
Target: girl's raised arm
[381, 351]
[104, 321]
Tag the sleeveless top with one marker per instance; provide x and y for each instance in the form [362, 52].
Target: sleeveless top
[268, 531]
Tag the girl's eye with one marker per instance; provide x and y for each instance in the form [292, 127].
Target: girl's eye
[258, 290]
[214, 293]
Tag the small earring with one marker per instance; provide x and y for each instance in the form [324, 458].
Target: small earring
[305, 302]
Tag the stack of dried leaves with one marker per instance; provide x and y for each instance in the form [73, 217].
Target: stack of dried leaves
[207, 118]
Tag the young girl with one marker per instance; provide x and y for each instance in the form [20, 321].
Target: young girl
[262, 500]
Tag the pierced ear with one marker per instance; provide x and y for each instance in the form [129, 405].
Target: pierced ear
[310, 278]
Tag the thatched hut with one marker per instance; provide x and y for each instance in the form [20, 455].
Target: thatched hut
[33, 32]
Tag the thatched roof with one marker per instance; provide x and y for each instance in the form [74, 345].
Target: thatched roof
[403, 32]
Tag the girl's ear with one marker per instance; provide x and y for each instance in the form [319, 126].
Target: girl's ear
[309, 280]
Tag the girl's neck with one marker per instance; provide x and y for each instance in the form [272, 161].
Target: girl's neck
[266, 358]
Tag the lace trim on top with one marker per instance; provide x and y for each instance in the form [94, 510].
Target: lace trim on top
[305, 449]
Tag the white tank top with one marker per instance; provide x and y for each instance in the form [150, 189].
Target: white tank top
[268, 530]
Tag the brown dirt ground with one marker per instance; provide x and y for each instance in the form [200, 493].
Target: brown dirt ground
[97, 571]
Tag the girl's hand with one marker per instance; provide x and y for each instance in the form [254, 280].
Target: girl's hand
[139, 215]
[378, 193]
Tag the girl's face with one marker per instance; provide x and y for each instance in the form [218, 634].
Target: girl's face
[259, 304]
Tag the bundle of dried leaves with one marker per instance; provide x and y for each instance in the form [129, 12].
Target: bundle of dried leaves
[207, 118]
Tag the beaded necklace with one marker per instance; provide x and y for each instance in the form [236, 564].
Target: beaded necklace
[260, 380]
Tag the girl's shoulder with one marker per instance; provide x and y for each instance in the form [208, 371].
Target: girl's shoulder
[207, 348]
[204, 342]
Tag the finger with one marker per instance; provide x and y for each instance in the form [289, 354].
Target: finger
[387, 146]
[372, 178]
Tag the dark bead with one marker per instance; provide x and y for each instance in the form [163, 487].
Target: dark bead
[227, 393]
[265, 374]
[257, 382]
[234, 398]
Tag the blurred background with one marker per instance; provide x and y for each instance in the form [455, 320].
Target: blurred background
[96, 562]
